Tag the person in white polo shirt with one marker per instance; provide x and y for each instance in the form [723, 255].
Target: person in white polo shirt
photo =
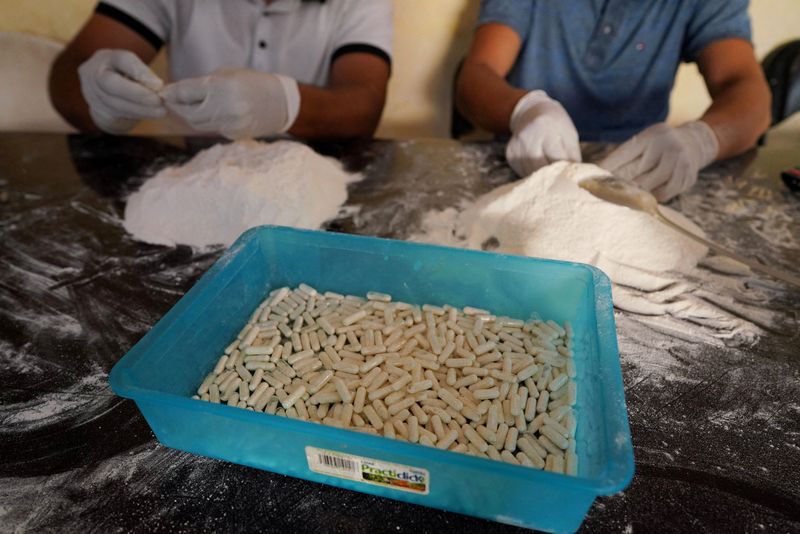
[314, 69]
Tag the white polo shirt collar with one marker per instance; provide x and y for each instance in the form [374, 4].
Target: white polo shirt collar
[296, 38]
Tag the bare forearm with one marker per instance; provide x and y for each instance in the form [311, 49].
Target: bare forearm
[739, 114]
[338, 113]
[65, 94]
[485, 98]
[740, 109]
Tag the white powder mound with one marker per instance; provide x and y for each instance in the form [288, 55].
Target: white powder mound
[229, 188]
[548, 215]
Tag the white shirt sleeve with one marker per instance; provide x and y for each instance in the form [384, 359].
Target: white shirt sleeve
[365, 24]
[155, 15]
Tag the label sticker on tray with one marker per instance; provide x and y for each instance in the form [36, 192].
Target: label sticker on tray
[368, 470]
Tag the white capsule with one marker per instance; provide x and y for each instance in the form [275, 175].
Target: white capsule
[555, 425]
[420, 414]
[347, 415]
[251, 335]
[213, 393]
[571, 464]
[492, 417]
[220, 364]
[422, 385]
[347, 367]
[293, 397]
[400, 405]
[358, 403]
[206, 384]
[558, 382]
[531, 448]
[486, 434]
[541, 404]
[297, 356]
[557, 327]
[255, 365]
[510, 443]
[474, 438]
[342, 390]
[501, 433]
[256, 395]
[324, 397]
[373, 417]
[354, 317]
[548, 445]
[508, 457]
[380, 392]
[505, 377]
[484, 348]
[527, 372]
[413, 429]
[244, 391]
[394, 397]
[450, 399]
[447, 440]
[379, 297]
[554, 436]
[554, 463]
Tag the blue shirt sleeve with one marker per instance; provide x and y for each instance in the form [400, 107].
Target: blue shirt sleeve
[515, 14]
[714, 20]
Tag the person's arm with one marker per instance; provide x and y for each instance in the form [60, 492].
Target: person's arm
[352, 103]
[482, 93]
[740, 109]
[666, 160]
[244, 103]
[100, 32]
[541, 129]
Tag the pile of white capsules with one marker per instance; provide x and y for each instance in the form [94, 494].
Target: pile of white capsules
[461, 380]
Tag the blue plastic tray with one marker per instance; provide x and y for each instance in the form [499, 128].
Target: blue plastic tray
[163, 370]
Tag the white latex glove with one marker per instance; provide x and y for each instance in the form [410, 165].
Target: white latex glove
[665, 160]
[120, 90]
[542, 132]
[237, 103]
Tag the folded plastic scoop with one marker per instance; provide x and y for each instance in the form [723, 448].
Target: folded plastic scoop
[626, 193]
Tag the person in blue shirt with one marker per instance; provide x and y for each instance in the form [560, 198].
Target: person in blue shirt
[551, 73]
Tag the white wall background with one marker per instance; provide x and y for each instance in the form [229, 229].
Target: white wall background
[430, 38]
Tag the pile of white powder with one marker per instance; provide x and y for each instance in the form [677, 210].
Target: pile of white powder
[229, 188]
[548, 215]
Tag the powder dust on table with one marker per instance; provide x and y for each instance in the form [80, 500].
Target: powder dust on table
[229, 188]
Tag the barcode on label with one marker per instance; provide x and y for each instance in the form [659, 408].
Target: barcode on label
[368, 470]
[337, 463]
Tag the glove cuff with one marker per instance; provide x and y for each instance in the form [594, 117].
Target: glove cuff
[292, 94]
[703, 140]
[530, 100]
[113, 126]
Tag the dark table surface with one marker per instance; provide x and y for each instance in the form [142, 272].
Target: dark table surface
[713, 398]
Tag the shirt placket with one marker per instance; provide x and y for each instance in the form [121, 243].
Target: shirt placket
[260, 56]
[605, 32]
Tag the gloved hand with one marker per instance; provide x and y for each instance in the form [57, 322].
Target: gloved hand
[542, 132]
[120, 90]
[665, 160]
[237, 103]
